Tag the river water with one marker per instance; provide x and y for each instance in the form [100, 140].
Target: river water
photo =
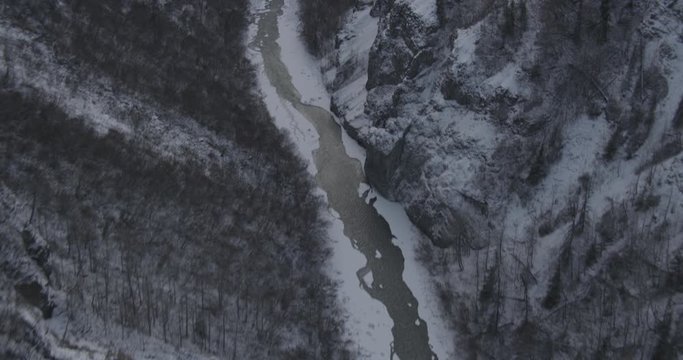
[340, 177]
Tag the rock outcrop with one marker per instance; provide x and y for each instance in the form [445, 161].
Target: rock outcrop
[502, 125]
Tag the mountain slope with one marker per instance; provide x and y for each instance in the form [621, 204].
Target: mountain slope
[537, 143]
[148, 206]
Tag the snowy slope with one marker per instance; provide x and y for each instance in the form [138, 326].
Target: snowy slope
[541, 154]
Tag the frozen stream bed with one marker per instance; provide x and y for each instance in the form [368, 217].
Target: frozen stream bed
[385, 293]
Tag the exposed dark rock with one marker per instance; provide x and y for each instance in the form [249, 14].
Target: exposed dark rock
[380, 167]
[381, 7]
[36, 295]
[37, 249]
[678, 118]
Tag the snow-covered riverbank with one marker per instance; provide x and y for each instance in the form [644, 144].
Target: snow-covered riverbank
[368, 324]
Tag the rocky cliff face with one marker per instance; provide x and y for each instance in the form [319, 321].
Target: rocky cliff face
[543, 135]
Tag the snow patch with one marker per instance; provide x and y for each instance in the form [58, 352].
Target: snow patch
[425, 9]
[353, 149]
[506, 79]
[357, 36]
[465, 44]
[302, 66]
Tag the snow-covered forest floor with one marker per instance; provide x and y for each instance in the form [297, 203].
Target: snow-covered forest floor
[149, 208]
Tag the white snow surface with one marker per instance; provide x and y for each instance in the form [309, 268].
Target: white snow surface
[353, 149]
[465, 44]
[425, 9]
[358, 35]
[506, 79]
[304, 68]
